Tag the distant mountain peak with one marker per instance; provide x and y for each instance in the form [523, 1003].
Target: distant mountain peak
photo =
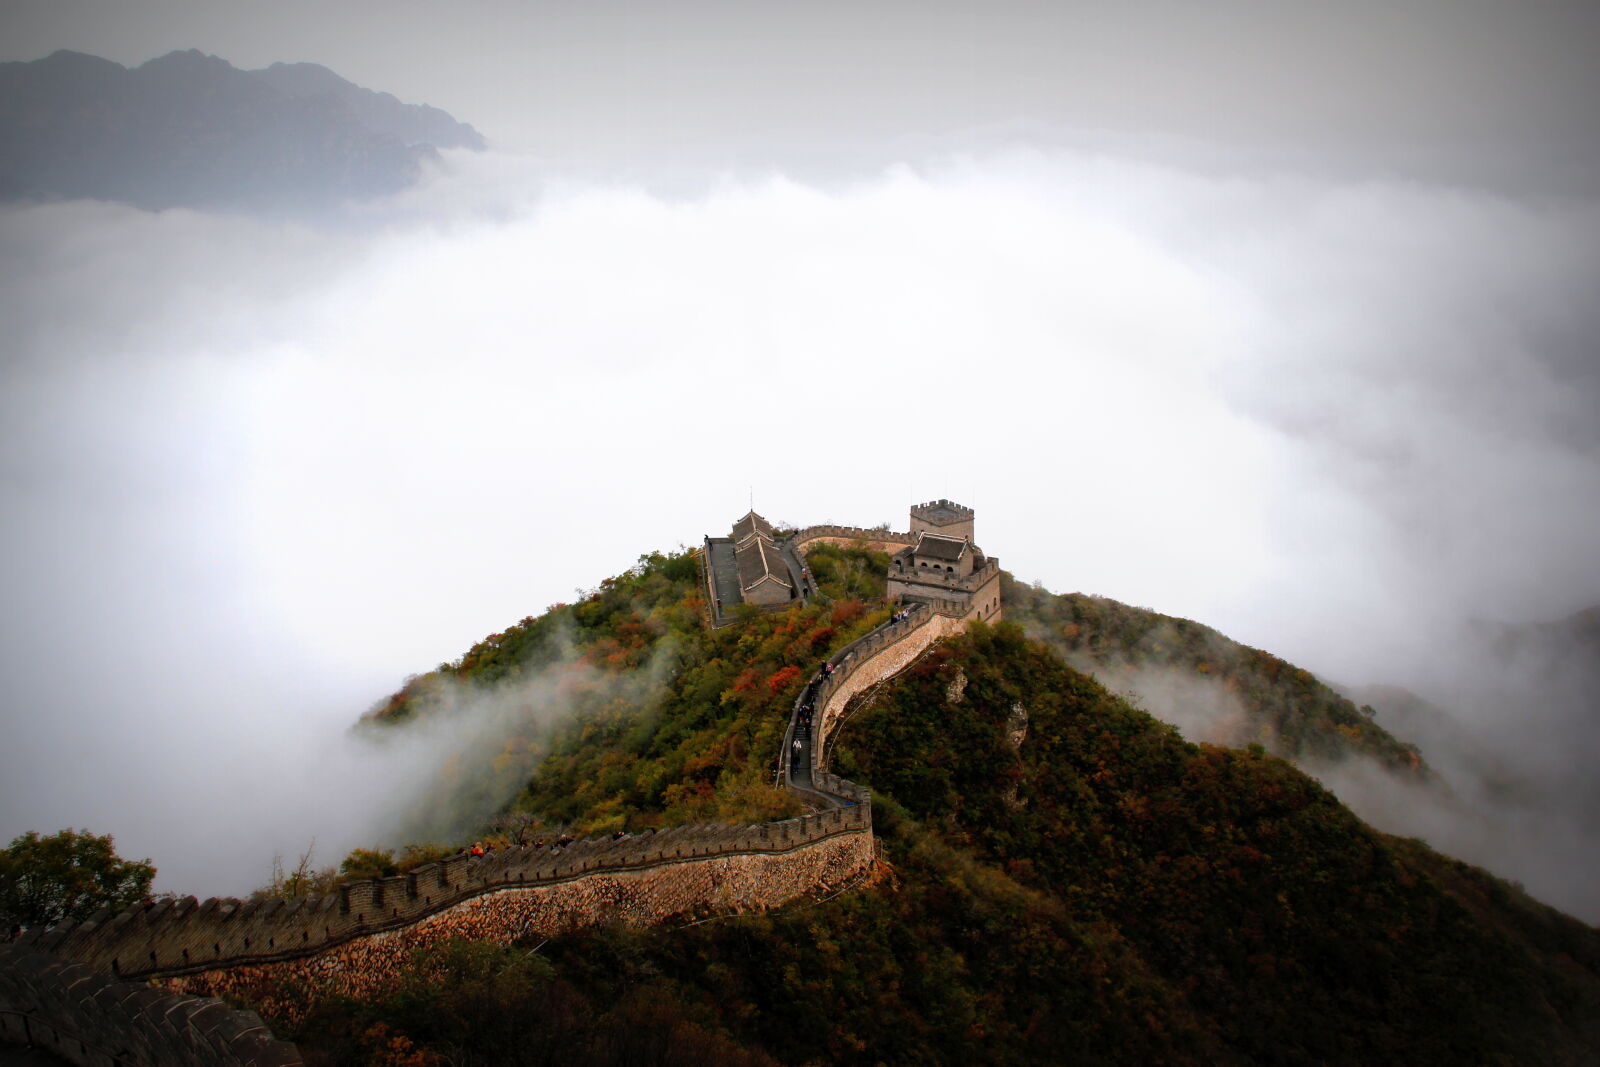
[189, 129]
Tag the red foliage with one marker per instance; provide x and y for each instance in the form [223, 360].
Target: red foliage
[782, 678]
[848, 611]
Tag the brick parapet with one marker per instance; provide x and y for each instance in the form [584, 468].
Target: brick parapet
[885, 539]
[870, 659]
[970, 583]
[88, 1017]
[181, 936]
[687, 890]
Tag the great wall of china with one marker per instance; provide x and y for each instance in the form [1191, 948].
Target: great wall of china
[80, 989]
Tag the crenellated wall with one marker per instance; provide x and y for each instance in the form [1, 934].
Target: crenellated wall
[981, 588]
[878, 656]
[878, 540]
[185, 936]
[728, 882]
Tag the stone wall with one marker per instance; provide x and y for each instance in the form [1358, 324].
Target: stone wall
[726, 883]
[982, 586]
[87, 1017]
[880, 655]
[874, 664]
[182, 936]
[878, 540]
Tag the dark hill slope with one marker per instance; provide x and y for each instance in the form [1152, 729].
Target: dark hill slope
[1067, 881]
[1214, 688]
[190, 130]
[1294, 931]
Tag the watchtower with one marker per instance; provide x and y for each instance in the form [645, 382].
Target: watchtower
[944, 564]
[943, 518]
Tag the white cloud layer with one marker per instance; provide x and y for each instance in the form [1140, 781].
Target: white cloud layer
[254, 474]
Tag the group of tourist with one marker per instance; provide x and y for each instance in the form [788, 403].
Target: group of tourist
[486, 848]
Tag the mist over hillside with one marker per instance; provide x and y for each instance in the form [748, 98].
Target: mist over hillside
[190, 130]
[1499, 779]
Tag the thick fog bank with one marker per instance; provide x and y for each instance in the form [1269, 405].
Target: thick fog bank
[254, 473]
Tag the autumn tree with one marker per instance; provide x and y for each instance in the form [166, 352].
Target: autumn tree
[67, 876]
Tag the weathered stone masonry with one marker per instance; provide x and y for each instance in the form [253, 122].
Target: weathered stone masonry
[184, 936]
[638, 898]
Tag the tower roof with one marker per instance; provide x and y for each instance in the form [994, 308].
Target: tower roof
[751, 523]
[758, 561]
[936, 547]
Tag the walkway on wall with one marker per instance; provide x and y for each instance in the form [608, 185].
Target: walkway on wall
[802, 765]
[722, 575]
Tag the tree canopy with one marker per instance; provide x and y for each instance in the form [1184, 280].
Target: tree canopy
[69, 875]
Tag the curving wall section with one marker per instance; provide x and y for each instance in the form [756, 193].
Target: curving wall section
[880, 540]
[184, 936]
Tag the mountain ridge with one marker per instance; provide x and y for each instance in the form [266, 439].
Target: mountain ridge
[188, 129]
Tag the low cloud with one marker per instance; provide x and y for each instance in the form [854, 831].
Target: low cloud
[254, 474]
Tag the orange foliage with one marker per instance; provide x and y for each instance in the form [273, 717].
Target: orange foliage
[782, 678]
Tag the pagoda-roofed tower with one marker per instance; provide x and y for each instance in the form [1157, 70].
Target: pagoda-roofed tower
[751, 525]
[752, 566]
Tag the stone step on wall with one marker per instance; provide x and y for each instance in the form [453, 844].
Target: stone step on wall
[88, 1017]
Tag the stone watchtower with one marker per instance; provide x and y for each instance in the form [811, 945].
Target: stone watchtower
[944, 563]
[943, 518]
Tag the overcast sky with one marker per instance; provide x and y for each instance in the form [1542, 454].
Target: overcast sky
[1284, 323]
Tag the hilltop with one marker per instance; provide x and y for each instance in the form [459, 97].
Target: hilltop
[1063, 875]
[191, 130]
[1008, 861]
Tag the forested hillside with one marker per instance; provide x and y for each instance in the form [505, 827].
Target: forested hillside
[1064, 877]
[1216, 688]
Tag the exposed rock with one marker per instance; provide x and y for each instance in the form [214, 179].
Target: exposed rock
[1016, 726]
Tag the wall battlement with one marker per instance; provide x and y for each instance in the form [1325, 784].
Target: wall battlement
[871, 659]
[186, 936]
[847, 534]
